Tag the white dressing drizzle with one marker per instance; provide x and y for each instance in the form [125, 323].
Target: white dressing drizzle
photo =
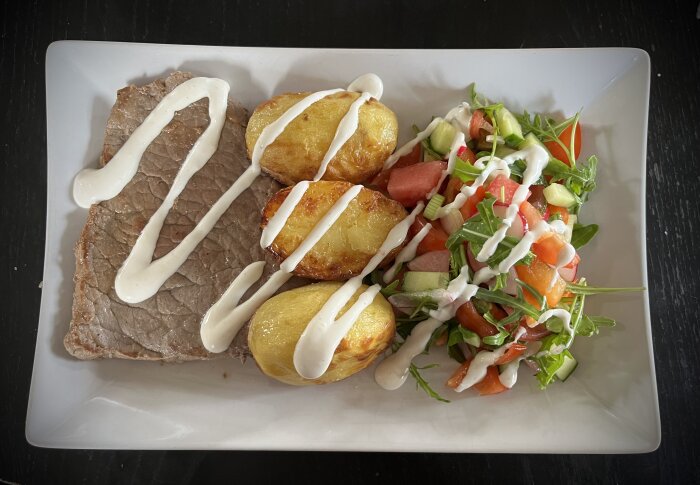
[392, 372]
[408, 147]
[509, 371]
[217, 333]
[219, 327]
[316, 346]
[95, 185]
[407, 253]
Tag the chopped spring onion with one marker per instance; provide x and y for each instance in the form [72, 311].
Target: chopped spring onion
[433, 206]
[452, 221]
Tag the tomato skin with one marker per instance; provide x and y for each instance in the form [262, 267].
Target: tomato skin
[538, 201]
[381, 180]
[532, 215]
[452, 189]
[469, 209]
[475, 124]
[466, 154]
[562, 211]
[538, 275]
[503, 189]
[565, 137]
[513, 352]
[409, 185]
[435, 240]
[490, 384]
[458, 375]
[469, 318]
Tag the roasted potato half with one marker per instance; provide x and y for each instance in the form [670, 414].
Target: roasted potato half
[277, 325]
[349, 244]
[297, 153]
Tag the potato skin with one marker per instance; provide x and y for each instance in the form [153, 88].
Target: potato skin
[297, 153]
[349, 244]
[277, 325]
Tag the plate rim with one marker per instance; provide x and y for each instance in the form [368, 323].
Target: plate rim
[57, 46]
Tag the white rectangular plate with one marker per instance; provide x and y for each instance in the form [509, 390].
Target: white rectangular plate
[609, 404]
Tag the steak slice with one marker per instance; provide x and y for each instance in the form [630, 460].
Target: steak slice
[166, 326]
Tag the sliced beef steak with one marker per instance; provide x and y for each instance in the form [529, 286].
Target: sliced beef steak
[166, 326]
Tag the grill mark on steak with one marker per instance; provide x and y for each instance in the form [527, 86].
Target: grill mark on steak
[166, 326]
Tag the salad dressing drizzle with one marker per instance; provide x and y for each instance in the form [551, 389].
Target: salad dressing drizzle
[140, 277]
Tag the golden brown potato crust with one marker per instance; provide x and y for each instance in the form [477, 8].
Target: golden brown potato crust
[349, 244]
[297, 153]
[277, 325]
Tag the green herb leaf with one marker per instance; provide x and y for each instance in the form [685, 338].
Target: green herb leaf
[465, 171]
[458, 259]
[423, 384]
[391, 289]
[497, 339]
[584, 289]
[590, 325]
[479, 229]
[581, 235]
[498, 296]
[459, 334]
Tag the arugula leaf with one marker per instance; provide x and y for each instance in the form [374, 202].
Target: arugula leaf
[497, 339]
[547, 130]
[458, 259]
[479, 229]
[517, 169]
[391, 289]
[581, 235]
[549, 360]
[455, 353]
[459, 334]
[584, 289]
[590, 325]
[498, 296]
[479, 101]
[579, 180]
[465, 171]
[423, 384]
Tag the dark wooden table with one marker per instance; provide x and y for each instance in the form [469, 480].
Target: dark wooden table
[669, 31]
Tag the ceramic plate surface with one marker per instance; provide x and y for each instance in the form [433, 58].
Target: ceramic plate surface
[608, 405]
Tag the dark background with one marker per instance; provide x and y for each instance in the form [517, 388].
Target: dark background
[668, 30]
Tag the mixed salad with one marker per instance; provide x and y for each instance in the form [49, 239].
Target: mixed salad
[529, 310]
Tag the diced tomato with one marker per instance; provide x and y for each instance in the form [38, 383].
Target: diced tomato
[532, 215]
[434, 261]
[565, 137]
[562, 211]
[458, 375]
[513, 352]
[539, 275]
[547, 247]
[469, 318]
[409, 185]
[434, 241]
[503, 189]
[466, 154]
[469, 207]
[498, 312]
[382, 178]
[476, 123]
[490, 384]
[442, 339]
[452, 189]
[538, 201]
